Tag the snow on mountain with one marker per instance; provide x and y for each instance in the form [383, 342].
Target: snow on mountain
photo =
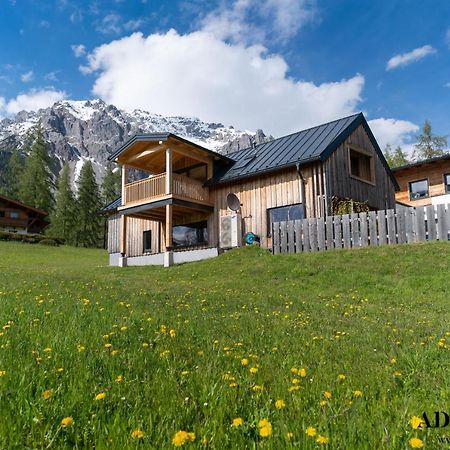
[80, 130]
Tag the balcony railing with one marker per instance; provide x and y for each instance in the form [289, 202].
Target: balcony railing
[152, 188]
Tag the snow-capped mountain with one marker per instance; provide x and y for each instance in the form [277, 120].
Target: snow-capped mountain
[77, 131]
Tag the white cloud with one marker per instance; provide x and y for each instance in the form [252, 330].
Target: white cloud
[114, 24]
[199, 75]
[393, 132]
[447, 37]
[27, 77]
[52, 76]
[252, 21]
[78, 50]
[405, 59]
[32, 101]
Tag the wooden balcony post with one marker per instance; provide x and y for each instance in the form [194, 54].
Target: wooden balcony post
[169, 177]
[124, 182]
[168, 232]
[123, 235]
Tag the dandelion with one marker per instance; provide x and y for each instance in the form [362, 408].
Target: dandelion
[182, 437]
[416, 442]
[60, 370]
[145, 344]
[265, 428]
[253, 370]
[341, 377]
[257, 388]
[47, 394]
[114, 352]
[322, 439]
[294, 370]
[100, 396]
[81, 348]
[311, 431]
[47, 350]
[279, 404]
[172, 333]
[119, 378]
[357, 393]
[416, 422]
[302, 373]
[137, 434]
[66, 422]
[289, 435]
[327, 394]
[124, 328]
[185, 373]
[237, 422]
[86, 302]
[108, 345]
[244, 361]
[323, 403]
[2, 373]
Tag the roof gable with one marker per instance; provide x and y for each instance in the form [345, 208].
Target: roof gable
[21, 205]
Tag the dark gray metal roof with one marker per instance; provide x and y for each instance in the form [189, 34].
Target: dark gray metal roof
[305, 146]
[112, 206]
[152, 137]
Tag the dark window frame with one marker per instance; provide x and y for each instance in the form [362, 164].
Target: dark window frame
[269, 210]
[410, 183]
[447, 184]
[365, 153]
[146, 249]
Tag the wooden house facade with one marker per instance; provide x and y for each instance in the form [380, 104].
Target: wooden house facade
[16, 217]
[424, 182]
[178, 212]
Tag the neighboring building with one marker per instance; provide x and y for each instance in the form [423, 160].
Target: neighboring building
[183, 205]
[424, 183]
[16, 217]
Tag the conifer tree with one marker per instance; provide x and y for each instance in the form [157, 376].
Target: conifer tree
[111, 184]
[63, 216]
[396, 158]
[11, 176]
[36, 179]
[428, 144]
[89, 222]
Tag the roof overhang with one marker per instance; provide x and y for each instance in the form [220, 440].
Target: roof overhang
[18, 204]
[422, 163]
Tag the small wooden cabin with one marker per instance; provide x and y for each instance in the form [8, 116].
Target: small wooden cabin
[424, 182]
[179, 210]
[16, 217]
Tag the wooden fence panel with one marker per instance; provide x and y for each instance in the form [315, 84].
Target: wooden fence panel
[406, 225]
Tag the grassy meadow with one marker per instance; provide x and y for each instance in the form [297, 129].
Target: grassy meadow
[336, 350]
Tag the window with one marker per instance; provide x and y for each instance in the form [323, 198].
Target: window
[418, 189]
[190, 234]
[14, 214]
[361, 165]
[283, 213]
[2, 213]
[447, 183]
[147, 241]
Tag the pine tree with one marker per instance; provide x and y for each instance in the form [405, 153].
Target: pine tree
[396, 158]
[89, 222]
[111, 185]
[63, 217]
[428, 144]
[36, 180]
[11, 176]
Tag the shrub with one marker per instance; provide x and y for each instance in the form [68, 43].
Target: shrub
[48, 241]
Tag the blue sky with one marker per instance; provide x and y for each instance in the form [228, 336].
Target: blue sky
[280, 65]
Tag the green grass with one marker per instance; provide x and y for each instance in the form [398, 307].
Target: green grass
[375, 316]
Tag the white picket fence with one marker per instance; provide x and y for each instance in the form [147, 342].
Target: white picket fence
[406, 225]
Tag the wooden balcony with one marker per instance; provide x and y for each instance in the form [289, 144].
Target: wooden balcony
[155, 188]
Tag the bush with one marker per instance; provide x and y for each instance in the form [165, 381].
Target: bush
[30, 238]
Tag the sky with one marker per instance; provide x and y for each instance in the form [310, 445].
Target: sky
[278, 65]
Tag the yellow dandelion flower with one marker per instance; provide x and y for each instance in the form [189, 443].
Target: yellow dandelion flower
[86, 302]
[2, 373]
[47, 350]
[108, 345]
[265, 431]
[257, 388]
[119, 378]
[263, 423]
[114, 352]
[393, 360]
[289, 435]
[327, 394]
[81, 348]
[322, 440]
[253, 370]
[244, 361]
[137, 434]
[323, 403]
[357, 393]
[185, 373]
[294, 388]
[416, 442]
[302, 372]
[100, 396]
[237, 422]
[294, 370]
[60, 370]
[172, 333]
[279, 404]
[182, 437]
[66, 422]
[47, 394]
[341, 377]
[145, 344]
[204, 441]
[124, 328]
[397, 374]
[311, 431]
[416, 422]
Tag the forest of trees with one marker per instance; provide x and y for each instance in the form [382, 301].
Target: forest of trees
[74, 216]
[428, 146]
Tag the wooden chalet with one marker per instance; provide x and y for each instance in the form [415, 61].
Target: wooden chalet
[16, 217]
[178, 212]
[424, 182]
